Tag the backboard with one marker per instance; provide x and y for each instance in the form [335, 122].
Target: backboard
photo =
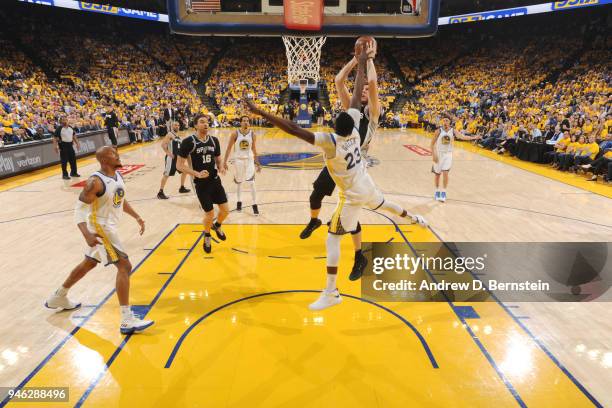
[340, 18]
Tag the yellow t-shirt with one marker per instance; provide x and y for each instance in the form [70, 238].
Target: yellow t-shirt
[592, 149]
[563, 143]
[574, 147]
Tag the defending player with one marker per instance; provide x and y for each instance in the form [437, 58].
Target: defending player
[243, 142]
[324, 185]
[97, 214]
[171, 145]
[204, 153]
[442, 152]
[343, 159]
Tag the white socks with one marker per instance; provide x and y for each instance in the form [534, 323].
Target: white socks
[62, 291]
[126, 312]
[253, 192]
[331, 282]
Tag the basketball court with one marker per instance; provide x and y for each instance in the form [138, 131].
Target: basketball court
[232, 328]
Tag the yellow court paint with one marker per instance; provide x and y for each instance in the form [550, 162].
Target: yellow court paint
[571, 179]
[257, 344]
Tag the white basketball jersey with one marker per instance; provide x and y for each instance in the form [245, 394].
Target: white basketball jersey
[243, 146]
[345, 164]
[444, 143]
[107, 209]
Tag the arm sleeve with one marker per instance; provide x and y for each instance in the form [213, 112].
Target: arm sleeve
[186, 147]
[323, 140]
[356, 115]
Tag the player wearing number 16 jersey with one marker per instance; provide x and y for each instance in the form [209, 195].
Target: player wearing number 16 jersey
[347, 168]
[204, 153]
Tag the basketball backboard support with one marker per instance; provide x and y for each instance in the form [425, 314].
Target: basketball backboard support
[341, 18]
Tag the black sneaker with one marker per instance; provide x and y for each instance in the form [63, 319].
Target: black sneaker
[66, 177]
[184, 190]
[358, 267]
[161, 195]
[239, 206]
[75, 175]
[220, 234]
[255, 209]
[207, 244]
[312, 225]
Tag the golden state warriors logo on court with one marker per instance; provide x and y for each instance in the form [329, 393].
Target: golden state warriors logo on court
[118, 197]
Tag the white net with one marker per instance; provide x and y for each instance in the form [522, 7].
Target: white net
[304, 57]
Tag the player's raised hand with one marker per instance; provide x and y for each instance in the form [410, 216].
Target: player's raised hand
[370, 49]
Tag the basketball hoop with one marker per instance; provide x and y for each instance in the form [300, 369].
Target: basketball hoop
[303, 57]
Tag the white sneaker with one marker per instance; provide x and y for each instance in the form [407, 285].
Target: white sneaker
[419, 219]
[134, 324]
[325, 300]
[61, 302]
[443, 196]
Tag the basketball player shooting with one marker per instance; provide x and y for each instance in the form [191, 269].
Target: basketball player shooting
[342, 154]
[442, 153]
[324, 185]
[243, 142]
[97, 214]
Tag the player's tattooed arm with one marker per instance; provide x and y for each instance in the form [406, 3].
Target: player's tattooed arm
[283, 124]
[359, 81]
[89, 193]
[127, 208]
[340, 81]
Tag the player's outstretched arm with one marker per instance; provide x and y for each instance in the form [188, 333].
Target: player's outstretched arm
[340, 81]
[373, 99]
[359, 79]
[283, 124]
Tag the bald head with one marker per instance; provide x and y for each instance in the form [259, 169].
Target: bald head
[108, 157]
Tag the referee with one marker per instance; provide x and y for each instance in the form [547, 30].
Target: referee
[63, 141]
[112, 125]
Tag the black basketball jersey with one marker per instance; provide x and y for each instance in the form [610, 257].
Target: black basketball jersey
[202, 155]
[175, 144]
[363, 125]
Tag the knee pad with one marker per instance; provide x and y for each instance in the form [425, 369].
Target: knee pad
[316, 200]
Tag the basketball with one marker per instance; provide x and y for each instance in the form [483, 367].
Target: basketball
[361, 42]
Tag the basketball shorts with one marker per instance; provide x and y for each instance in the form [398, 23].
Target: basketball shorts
[210, 192]
[324, 184]
[348, 210]
[111, 248]
[445, 161]
[244, 170]
[170, 166]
